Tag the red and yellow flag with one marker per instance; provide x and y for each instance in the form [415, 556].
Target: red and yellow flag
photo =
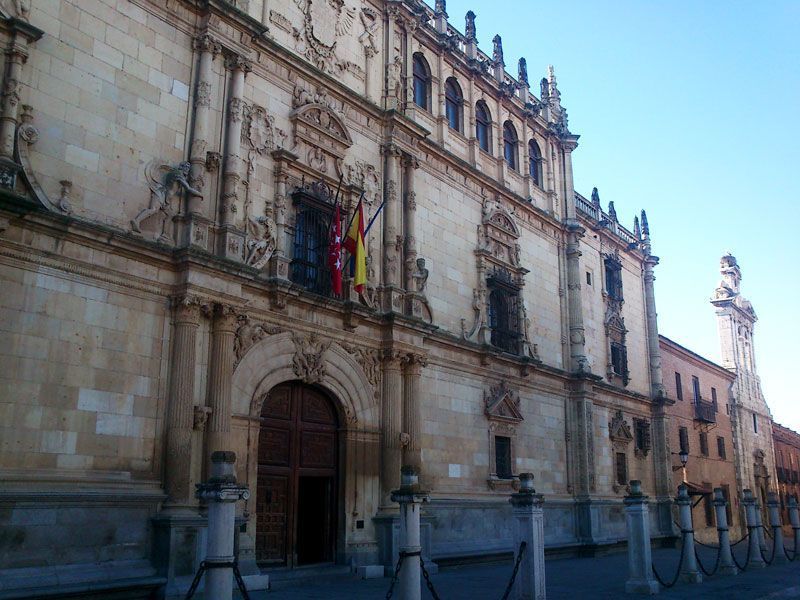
[354, 244]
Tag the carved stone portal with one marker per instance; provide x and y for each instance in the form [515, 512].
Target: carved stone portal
[308, 363]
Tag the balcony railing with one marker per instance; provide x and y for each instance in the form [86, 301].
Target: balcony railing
[704, 411]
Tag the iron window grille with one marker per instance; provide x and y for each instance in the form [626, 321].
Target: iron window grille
[678, 386]
[309, 266]
[504, 299]
[619, 360]
[613, 278]
[502, 454]
[621, 468]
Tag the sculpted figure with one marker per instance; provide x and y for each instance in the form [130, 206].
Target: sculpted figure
[165, 183]
[261, 241]
[420, 275]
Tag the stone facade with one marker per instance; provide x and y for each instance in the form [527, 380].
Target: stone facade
[701, 425]
[750, 416]
[786, 443]
[162, 165]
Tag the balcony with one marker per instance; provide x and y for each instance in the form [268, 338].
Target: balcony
[704, 411]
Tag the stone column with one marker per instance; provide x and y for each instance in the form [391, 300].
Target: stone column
[221, 493]
[754, 548]
[778, 554]
[760, 527]
[208, 48]
[393, 62]
[577, 339]
[281, 258]
[412, 417]
[410, 165]
[22, 33]
[529, 528]
[410, 497]
[794, 519]
[220, 375]
[232, 239]
[410, 26]
[180, 407]
[391, 224]
[569, 186]
[726, 564]
[391, 423]
[689, 570]
[640, 558]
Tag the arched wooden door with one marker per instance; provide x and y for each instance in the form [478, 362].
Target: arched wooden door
[297, 477]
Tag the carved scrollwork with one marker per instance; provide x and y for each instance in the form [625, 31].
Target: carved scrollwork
[248, 334]
[308, 363]
[370, 361]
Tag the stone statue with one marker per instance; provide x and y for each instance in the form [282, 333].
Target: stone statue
[165, 183]
[394, 78]
[261, 241]
[523, 71]
[469, 30]
[497, 52]
[420, 276]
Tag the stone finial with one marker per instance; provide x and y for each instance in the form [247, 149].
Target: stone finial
[595, 197]
[526, 483]
[637, 231]
[440, 8]
[523, 71]
[612, 212]
[469, 30]
[645, 225]
[497, 51]
[544, 90]
[636, 488]
[554, 96]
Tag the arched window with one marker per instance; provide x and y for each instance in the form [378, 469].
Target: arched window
[510, 144]
[483, 125]
[535, 162]
[454, 104]
[422, 82]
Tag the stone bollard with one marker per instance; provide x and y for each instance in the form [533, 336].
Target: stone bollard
[778, 554]
[221, 493]
[410, 497]
[529, 528]
[794, 519]
[689, 571]
[726, 564]
[754, 548]
[640, 557]
[759, 521]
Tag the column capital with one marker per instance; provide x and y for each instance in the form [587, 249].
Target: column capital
[225, 316]
[391, 149]
[410, 162]
[237, 62]
[186, 308]
[207, 43]
[414, 361]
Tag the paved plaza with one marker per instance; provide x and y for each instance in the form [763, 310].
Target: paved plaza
[569, 578]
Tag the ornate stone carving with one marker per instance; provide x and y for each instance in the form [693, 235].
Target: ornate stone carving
[249, 334]
[394, 79]
[501, 403]
[318, 130]
[370, 361]
[166, 183]
[308, 363]
[203, 95]
[280, 21]
[370, 20]
[200, 417]
[619, 432]
[324, 21]
[365, 176]
[261, 241]
[63, 199]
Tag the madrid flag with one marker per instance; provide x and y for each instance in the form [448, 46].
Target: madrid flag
[335, 252]
[354, 244]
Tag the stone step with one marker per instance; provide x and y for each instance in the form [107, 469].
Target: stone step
[283, 578]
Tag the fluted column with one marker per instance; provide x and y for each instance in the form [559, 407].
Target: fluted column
[412, 416]
[391, 218]
[410, 164]
[656, 378]
[220, 376]
[577, 338]
[391, 425]
[409, 25]
[180, 405]
[282, 256]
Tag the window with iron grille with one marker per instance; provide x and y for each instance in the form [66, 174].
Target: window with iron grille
[683, 439]
[721, 447]
[703, 443]
[309, 267]
[619, 359]
[678, 386]
[708, 506]
[613, 278]
[641, 432]
[696, 388]
[504, 323]
[621, 468]
[502, 457]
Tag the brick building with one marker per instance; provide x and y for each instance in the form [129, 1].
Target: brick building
[168, 173]
[700, 424]
[786, 444]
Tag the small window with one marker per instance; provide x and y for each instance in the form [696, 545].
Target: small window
[755, 423]
[422, 82]
[483, 127]
[708, 506]
[535, 162]
[721, 447]
[588, 278]
[678, 386]
[641, 431]
[696, 388]
[454, 105]
[613, 278]
[502, 457]
[621, 468]
[510, 145]
[619, 359]
[714, 398]
[504, 317]
[683, 439]
[703, 443]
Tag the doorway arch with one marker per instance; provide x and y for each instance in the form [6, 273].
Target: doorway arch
[297, 477]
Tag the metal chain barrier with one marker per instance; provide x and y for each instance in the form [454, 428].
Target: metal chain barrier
[794, 552]
[205, 566]
[396, 575]
[771, 558]
[702, 568]
[747, 559]
[680, 563]
[510, 585]
[427, 578]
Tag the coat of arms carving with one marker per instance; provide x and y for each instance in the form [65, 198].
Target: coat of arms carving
[324, 21]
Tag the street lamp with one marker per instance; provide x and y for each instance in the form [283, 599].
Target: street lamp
[684, 456]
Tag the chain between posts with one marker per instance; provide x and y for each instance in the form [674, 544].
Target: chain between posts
[510, 585]
[205, 566]
[680, 562]
[427, 578]
[401, 557]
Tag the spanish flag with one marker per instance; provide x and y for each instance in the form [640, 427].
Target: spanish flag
[354, 244]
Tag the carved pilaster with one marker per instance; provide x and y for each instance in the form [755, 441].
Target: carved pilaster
[391, 424]
[180, 417]
[391, 211]
[279, 264]
[412, 418]
[223, 337]
[577, 339]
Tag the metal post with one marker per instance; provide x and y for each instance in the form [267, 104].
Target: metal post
[640, 558]
[754, 548]
[410, 497]
[689, 570]
[778, 554]
[794, 519]
[528, 528]
[726, 565]
[221, 492]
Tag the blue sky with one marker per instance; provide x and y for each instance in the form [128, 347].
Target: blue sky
[689, 110]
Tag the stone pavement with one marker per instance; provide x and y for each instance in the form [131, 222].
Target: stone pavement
[597, 578]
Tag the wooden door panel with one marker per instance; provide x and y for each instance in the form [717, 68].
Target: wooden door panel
[318, 449]
[272, 517]
[274, 447]
[317, 409]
